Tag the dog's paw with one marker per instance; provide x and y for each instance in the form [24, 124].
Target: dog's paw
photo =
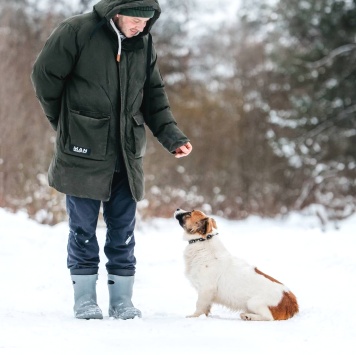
[245, 316]
[254, 317]
[195, 315]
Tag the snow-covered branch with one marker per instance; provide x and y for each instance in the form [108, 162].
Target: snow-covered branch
[332, 55]
[345, 114]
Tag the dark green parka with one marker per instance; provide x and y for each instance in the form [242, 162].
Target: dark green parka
[96, 103]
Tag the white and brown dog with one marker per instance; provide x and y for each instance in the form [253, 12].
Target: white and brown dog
[226, 280]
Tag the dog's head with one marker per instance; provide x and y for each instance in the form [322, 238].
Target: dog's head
[195, 223]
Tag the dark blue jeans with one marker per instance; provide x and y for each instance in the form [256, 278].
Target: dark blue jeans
[119, 215]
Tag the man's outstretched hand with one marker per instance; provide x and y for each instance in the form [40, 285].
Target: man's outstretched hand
[183, 151]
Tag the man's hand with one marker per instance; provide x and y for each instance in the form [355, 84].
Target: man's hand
[183, 151]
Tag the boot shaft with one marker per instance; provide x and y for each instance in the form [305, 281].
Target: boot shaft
[120, 289]
[84, 285]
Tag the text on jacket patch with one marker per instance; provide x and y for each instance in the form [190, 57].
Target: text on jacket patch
[75, 149]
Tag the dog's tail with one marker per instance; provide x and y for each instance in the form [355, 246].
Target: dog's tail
[287, 307]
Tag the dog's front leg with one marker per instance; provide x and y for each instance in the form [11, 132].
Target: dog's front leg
[204, 303]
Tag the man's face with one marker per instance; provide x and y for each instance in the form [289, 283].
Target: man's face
[130, 26]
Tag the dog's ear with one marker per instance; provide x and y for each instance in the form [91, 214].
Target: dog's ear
[213, 223]
[203, 226]
[206, 226]
[210, 225]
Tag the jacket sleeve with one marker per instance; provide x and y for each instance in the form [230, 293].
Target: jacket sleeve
[160, 119]
[51, 69]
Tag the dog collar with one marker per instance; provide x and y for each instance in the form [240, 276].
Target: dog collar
[209, 236]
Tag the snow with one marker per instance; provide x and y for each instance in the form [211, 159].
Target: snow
[319, 267]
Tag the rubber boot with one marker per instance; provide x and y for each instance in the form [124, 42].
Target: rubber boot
[120, 291]
[85, 306]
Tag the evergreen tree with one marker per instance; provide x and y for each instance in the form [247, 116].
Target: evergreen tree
[314, 56]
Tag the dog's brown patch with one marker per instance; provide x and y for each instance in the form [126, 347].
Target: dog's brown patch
[287, 307]
[198, 222]
[267, 276]
[196, 216]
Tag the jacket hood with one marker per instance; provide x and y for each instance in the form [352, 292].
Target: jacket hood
[109, 8]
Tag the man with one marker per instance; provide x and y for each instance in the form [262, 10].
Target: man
[98, 83]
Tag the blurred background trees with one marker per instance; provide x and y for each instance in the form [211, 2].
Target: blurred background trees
[267, 99]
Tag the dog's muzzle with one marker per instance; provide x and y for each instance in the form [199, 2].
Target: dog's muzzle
[179, 212]
[179, 215]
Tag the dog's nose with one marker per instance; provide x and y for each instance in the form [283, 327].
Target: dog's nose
[177, 212]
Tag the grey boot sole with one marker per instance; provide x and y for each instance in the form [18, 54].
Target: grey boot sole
[125, 313]
[88, 310]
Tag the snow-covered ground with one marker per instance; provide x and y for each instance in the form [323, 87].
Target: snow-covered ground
[319, 267]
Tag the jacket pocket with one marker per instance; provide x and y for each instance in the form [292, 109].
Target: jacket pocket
[87, 134]
[139, 133]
